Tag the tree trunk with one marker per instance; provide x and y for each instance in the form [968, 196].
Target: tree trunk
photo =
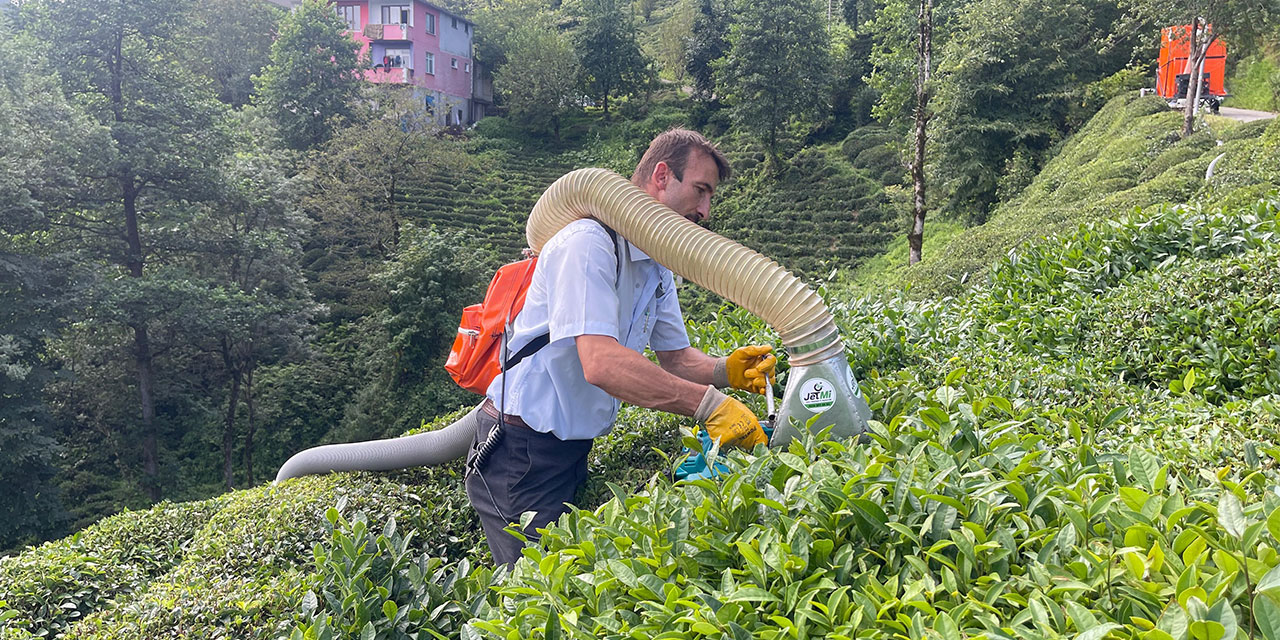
[250, 428]
[229, 432]
[1195, 60]
[141, 346]
[924, 49]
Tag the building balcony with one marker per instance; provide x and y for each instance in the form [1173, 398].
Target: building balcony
[386, 31]
[394, 75]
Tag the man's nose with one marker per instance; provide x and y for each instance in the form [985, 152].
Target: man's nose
[704, 206]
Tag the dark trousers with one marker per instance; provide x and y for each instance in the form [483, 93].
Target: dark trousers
[527, 471]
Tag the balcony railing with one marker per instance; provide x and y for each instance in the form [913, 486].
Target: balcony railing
[394, 75]
[386, 31]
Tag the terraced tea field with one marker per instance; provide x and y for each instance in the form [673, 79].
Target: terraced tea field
[492, 200]
[821, 213]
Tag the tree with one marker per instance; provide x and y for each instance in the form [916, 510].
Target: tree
[924, 55]
[707, 44]
[674, 34]
[497, 21]
[612, 64]
[776, 68]
[313, 76]
[1010, 87]
[124, 69]
[31, 509]
[40, 136]
[354, 189]
[426, 286]
[539, 81]
[248, 28]
[260, 306]
[1240, 23]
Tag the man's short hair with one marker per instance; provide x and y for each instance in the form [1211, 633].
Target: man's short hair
[673, 147]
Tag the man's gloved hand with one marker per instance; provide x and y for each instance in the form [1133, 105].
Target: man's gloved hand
[729, 421]
[747, 368]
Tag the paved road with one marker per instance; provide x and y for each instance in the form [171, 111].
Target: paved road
[1245, 115]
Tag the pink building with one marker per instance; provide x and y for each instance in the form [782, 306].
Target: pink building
[420, 45]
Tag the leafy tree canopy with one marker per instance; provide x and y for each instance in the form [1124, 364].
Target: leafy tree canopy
[313, 76]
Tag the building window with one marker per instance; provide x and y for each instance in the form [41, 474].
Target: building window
[396, 59]
[396, 14]
[468, 67]
[429, 65]
[350, 14]
[431, 23]
[455, 23]
[453, 63]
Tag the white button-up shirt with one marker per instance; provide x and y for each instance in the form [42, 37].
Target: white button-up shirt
[577, 289]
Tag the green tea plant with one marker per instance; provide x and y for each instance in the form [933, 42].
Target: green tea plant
[46, 590]
[955, 520]
[374, 586]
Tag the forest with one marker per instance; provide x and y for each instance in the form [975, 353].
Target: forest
[1065, 330]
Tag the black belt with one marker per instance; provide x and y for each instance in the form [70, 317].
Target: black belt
[515, 421]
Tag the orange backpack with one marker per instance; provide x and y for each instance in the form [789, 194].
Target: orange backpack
[476, 356]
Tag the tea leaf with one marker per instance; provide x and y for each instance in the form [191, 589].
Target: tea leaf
[1231, 515]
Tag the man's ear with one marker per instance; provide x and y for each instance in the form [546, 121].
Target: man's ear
[661, 175]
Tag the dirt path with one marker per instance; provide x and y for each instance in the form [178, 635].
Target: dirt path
[1245, 115]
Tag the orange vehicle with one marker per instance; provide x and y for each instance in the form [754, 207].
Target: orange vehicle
[1172, 75]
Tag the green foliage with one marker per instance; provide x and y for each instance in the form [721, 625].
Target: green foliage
[433, 278]
[1127, 156]
[31, 509]
[809, 231]
[223, 587]
[707, 44]
[955, 510]
[612, 63]
[246, 27]
[1255, 84]
[313, 76]
[1212, 318]
[1009, 84]
[55, 585]
[539, 80]
[875, 150]
[372, 585]
[497, 22]
[775, 69]
[356, 191]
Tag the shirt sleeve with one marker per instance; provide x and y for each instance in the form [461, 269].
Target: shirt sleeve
[581, 274]
[669, 332]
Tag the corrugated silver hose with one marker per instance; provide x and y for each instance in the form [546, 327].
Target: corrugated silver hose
[733, 271]
[418, 450]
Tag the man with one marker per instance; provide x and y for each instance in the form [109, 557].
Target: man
[602, 302]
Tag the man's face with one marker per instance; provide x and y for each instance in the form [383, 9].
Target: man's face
[690, 197]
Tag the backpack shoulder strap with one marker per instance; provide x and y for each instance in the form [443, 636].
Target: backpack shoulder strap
[541, 341]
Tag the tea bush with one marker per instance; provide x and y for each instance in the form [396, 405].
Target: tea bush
[1129, 155]
[49, 588]
[1217, 318]
[956, 518]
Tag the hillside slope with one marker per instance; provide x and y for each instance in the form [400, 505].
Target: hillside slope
[821, 212]
[1083, 444]
[1129, 155]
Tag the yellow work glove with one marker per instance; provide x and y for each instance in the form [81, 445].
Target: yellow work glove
[747, 368]
[729, 421]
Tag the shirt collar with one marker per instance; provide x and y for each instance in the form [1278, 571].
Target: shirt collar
[636, 254]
